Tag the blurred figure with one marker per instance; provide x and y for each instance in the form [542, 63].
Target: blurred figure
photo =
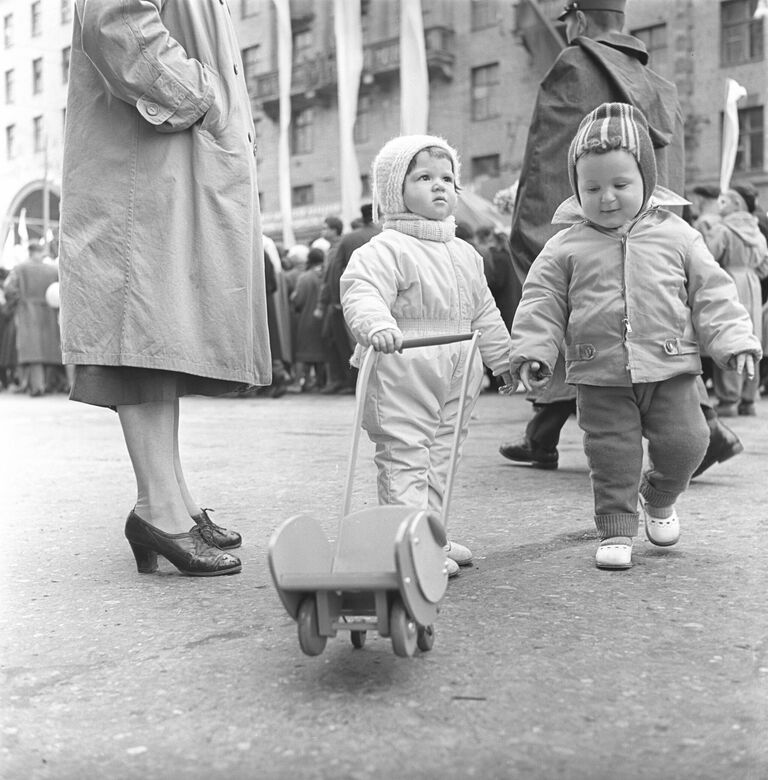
[7, 337]
[38, 342]
[310, 350]
[741, 249]
[339, 342]
[704, 209]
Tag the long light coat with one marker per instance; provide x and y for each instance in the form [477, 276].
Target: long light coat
[161, 255]
[631, 308]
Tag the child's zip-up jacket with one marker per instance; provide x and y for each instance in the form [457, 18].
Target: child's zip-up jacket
[628, 308]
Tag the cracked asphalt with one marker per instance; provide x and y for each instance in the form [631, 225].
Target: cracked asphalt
[543, 666]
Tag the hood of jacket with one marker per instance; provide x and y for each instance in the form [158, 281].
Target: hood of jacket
[745, 226]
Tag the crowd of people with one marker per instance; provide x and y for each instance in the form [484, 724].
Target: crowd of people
[602, 300]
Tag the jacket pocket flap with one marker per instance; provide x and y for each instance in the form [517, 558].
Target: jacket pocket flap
[677, 346]
[580, 352]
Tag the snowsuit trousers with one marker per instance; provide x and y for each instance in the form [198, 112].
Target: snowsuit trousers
[411, 408]
[614, 421]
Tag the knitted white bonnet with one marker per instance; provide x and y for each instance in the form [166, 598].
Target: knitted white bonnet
[389, 169]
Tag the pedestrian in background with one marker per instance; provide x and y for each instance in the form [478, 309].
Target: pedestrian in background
[162, 273]
[631, 330]
[310, 347]
[415, 278]
[8, 376]
[600, 64]
[740, 248]
[38, 344]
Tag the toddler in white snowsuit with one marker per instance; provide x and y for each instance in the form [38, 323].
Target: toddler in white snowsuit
[417, 279]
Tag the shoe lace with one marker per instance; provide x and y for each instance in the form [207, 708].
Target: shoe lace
[207, 520]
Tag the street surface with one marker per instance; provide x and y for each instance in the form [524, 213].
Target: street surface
[543, 666]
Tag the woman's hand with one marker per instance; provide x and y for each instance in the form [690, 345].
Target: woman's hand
[533, 375]
[387, 341]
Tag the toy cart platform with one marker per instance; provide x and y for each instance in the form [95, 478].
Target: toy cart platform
[386, 570]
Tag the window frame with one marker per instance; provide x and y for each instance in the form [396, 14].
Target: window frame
[746, 34]
[485, 106]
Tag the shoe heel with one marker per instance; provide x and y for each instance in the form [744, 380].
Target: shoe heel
[146, 559]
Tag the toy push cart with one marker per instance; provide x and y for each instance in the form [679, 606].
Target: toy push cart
[386, 570]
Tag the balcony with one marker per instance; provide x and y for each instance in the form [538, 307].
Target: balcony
[315, 79]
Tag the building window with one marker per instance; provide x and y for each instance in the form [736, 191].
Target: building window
[301, 132]
[9, 84]
[38, 139]
[487, 167]
[37, 76]
[655, 40]
[65, 52]
[34, 26]
[741, 34]
[485, 87]
[302, 45]
[484, 13]
[8, 31]
[749, 155]
[251, 67]
[249, 8]
[362, 131]
[10, 141]
[66, 11]
[302, 196]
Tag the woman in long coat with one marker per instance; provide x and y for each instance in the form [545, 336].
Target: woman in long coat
[162, 288]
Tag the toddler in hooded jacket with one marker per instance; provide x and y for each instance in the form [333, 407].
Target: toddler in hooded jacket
[417, 279]
[632, 291]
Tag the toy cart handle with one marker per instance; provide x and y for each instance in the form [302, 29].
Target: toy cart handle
[362, 383]
[433, 341]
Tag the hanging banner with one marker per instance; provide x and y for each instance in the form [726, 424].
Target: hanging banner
[349, 67]
[285, 70]
[733, 93]
[414, 75]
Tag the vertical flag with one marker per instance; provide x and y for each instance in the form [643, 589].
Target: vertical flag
[22, 228]
[349, 66]
[733, 93]
[414, 75]
[761, 11]
[285, 68]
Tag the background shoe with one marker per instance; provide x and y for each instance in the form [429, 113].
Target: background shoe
[523, 452]
[663, 532]
[727, 410]
[214, 534]
[458, 553]
[614, 553]
[723, 444]
[747, 409]
[451, 567]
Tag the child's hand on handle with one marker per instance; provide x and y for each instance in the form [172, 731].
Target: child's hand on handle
[533, 375]
[509, 384]
[744, 361]
[387, 341]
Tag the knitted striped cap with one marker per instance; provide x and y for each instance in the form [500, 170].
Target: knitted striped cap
[615, 126]
[390, 166]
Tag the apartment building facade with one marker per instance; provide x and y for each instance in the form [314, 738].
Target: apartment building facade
[485, 60]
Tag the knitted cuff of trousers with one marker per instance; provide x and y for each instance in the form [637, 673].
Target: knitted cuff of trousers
[617, 525]
[655, 497]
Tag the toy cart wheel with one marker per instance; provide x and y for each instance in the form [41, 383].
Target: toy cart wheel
[402, 629]
[425, 638]
[358, 639]
[309, 636]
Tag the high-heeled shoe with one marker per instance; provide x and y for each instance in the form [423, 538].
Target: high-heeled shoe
[190, 553]
[214, 534]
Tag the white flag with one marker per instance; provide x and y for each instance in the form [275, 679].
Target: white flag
[414, 75]
[733, 93]
[22, 228]
[285, 71]
[349, 66]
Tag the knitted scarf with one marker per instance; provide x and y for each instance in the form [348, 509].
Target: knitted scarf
[418, 227]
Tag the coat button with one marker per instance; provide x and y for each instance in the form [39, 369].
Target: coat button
[152, 109]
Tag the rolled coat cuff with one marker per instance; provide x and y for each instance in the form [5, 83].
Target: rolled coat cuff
[166, 101]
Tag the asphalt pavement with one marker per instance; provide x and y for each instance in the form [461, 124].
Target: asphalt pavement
[543, 666]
